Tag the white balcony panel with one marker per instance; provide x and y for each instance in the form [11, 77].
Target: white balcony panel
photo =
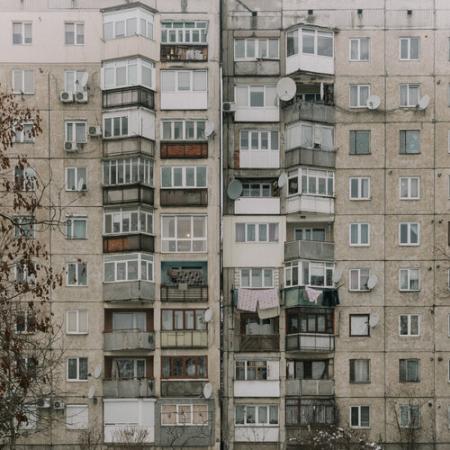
[252, 205]
[141, 122]
[266, 114]
[129, 46]
[259, 159]
[257, 388]
[311, 204]
[184, 100]
[309, 63]
[256, 434]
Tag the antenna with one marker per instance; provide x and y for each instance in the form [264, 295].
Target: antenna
[423, 102]
[286, 89]
[91, 392]
[207, 390]
[373, 102]
[372, 281]
[84, 79]
[208, 315]
[98, 371]
[209, 129]
[234, 189]
[282, 180]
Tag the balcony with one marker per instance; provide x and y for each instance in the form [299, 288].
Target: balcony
[309, 387]
[315, 250]
[259, 159]
[184, 150]
[128, 97]
[128, 340]
[249, 435]
[310, 111]
[129, 146]
[137, 242]
[129, 193]
[183, 197]
[182, 388]
[117, 388]
[310, 342]
[184, 339]
[256, 388]
[184, 293]
[130, 46]
[310, 204]
[258, 343]
[257, 205]
[185, 53]
[310, 157]
[129, 291]
[296, 296]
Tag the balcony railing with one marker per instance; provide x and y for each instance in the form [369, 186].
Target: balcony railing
[258, 343]
[184, 339]
[191, 53]
[184, 150]
[183, 197]
[128, 193]
[310, 342]
[137, 242]
[129, 97]
[137, 145]
[309, 387]
[129, 291]
[174, 388]
[301, 156]
[315, 250]
[117, 388]
[184, 293]
[128, 340]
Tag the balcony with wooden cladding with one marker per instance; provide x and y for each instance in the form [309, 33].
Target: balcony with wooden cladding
[128, 193]
[185, 53]
[183, 150]
[130, 146]
[128, 97]
[127, 243]
[183, 197]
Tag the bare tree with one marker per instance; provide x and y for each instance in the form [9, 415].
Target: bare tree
[409, 425]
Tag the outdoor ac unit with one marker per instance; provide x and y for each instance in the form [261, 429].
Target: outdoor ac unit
[58, 404]
[66, 97]
[81, 97]
[229, 106]
[71, 146]
[95, 131]
[43, 403]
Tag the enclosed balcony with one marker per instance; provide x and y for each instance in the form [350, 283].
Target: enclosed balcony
[129, 340]
[184, 53]
[135, 388]
[257, 335]
[257, 378]
[137, 242]
[304, 412]
[184, 339]
[255, 205]
[183, 197]
[314, 250]
[310, 157]
[174, 388]
[183, 150]
[128, 97]
[309, 387]
[306, 342]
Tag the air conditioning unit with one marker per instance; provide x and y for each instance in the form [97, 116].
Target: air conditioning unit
[43, 403]
[71, 146]
[58, 404]
[81, 97]
[95, 131]
[229, 107]
[66, 97]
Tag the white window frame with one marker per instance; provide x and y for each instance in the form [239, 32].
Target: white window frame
[142, 260]
[132, 169]
[257, 232]
[144, 24]
[77, 379]
[308, 135]
[23, 34]
[176, 87]
[311, 174]
[358, 44]
[408, 243]
[409, 325]
[73, 124]
[119, 215]
[184, 170]
[25, 135]
[448, 371]
[255, 88]
[203, 240]
[74, 218]
[360, 181]
[128, 66]
[409, 182]
[316, 34]
[298, 267]
[77, 76]
[359, 234]
[116, 371]
[198, 128]
[273, 136]
[124, 126]
[258, 46]
[251, 271]
[359, 88]
[257, 422]
[83, 411]
[359, 426]
[248, 189]
[361, 287]
[22, 88]
[78, 320]
[29, 317]
[408, 39]
[80, 265]
[77, 177]
[184, 32]
[409, 279]
[408, 87]
[24, 226]
[76, 34]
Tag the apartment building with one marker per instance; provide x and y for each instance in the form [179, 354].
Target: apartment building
[128, 94]
[335, 238]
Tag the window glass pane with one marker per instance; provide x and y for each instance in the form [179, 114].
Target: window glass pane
[199, 80]
[308, 41]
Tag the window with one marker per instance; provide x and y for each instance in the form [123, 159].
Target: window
[24, 135]
[183, 130]
[129, 321]
[409, 188]
[409, 279]
[77, 274]
[183, 320]
[308, 370]
[76, 227]
[131, 22]
[73, 80]
[359, 188]
[31, 414]
[409, 95]
[256, 232]
[259, 140]
[409, 233]
[359, 325]
[359, 49]
[182, 415]
[76, 132]
[256, 190]
[309, 234]
[189, 33]
[251, 49]
[25, 178]
[22, 81]
[77, 369]
[409, 416]
[22, 33]
[184, 80]
[310, 322]
[292, 42]
[256, 96]
[304, 412]
[251, 370]
[359, 234]
[26, 273]
[115, 126]
[359, 416]
[77, 321]
[128, 267]
[128, 368]
[77, 417]
[128, 72]
[409, 371]
[127, 221]
[74, 33]
[256, 415]
[183, 234]
[184, 367]
[128, 171]
[311, 182]
[76, 179]
[359, 93]
[24, 227]
[256, 278]
[409, 325]
[448, 371]
[25, 321]
[359, 279]
[359, 142]
[409, 141]
[314, 42]
[183, 177]
[359, 371]
[409, 48]
[309, 135]
[308, 273]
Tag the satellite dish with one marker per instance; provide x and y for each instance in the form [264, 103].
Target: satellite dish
[234, 189]
[372, 281]
[373, 102]
[97, 371]
[209, 129]
[282, 180]
[84, 79]
[207, 390]
[337, 275]
[208, 315]
[423, 102]
[91, 392]
[374, 320]
[286, 89]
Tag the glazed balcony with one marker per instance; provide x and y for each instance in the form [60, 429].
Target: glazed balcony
[128, 193]
[309, 387]
[183, 150]
[184, 339]
[128, 340]
[311, 250]
[296, 296]
[310, 342]
[136, 242]
[133, 388]
[185, 53]
[183, 197]
[174, 388]
[128, 97]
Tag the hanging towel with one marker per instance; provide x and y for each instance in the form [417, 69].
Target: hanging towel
[312, 294]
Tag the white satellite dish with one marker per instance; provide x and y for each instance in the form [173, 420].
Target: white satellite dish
[372, 281]
[374, 320]
[207, 390]
[373, 102]
[208, 315]
[97, 371]
[286, 89]
[234, 189]
[282, 180]
[84, 79]
[209, 129]
[423, 102]
[91, 392]
[337, 275]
